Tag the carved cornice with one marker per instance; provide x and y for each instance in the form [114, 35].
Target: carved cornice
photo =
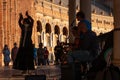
[50, 9]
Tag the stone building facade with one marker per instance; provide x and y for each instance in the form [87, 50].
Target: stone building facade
[50, 22]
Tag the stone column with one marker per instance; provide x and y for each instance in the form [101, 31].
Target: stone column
[4, 19]
[116, 49]
[1, 43]
[72, 18]
[85, 6]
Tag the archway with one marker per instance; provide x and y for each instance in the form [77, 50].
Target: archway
[48, 28]
[47, 37]
[65, 34]
[39, 31]
[57, 30]
[65, 31]
[57, 34]
[39, 26]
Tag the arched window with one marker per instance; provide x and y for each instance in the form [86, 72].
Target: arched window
[48, 32]
[57, 30]
[57, 34]
[65, 34]
[39, 31]
[65, 31]
[39, 26]
[48, 28]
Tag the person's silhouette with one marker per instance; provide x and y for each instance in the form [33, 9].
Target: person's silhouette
[24, 59]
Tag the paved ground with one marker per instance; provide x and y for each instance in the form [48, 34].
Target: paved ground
[52, 73]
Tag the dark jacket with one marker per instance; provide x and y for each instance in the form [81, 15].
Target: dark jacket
[89, 42]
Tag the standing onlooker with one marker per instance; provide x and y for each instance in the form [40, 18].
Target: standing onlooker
[6, 53]
[40, 54]
[46, 54]
[58, 51]
[14, 52]
[35, 54]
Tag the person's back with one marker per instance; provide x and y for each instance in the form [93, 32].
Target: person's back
[88, 24]
[14, 52]
[94, 48]
[58, 51]
[46, 54]
[6, 54]
[88, 38]
[89, 42]
[40, 54]
[35, 52]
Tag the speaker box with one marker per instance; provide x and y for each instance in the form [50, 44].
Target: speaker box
[35, 77]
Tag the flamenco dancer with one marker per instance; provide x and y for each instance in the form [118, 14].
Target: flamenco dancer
[24, 60]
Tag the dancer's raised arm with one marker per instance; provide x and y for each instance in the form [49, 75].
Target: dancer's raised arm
[20, 19]
[30, 18]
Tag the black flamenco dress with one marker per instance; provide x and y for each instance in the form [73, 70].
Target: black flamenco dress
[24, 59]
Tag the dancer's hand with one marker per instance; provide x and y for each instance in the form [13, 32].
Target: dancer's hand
[21, 16]
[27, 13]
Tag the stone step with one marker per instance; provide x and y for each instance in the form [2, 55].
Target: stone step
[51, 72]
[24, 79]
